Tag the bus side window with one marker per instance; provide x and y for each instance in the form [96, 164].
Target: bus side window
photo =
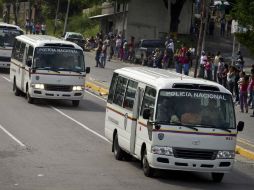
[148, 101]
[30, 53]
[21, 52]
[15, 51]
[112, 88]
[130, 95]
[120, 91]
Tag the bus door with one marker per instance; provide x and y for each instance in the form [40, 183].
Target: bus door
[130, 118]
[27, 62]
[19, 62]
[136, 109]
[144, 131]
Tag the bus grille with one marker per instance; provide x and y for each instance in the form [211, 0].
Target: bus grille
[60, 88]
[5, 59]
[195, 154]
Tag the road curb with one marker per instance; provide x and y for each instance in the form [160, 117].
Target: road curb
[244, 152]
[94, 87]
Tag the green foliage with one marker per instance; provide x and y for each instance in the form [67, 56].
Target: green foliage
[243, 12]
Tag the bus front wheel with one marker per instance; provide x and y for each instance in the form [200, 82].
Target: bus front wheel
[217, 177]
[148, 171]
[30, 100]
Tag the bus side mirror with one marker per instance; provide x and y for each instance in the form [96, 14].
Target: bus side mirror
[88, 70]
[240, 126]
[146, 113]
[29, 62]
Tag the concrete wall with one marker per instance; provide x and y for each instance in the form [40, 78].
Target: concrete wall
[147, 19]
[185, 18]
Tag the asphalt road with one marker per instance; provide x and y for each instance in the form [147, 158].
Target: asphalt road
[53, 146]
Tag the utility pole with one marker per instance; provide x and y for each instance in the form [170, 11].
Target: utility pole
[66, 17]
[206, 23]
[57, 9]
[200, 37]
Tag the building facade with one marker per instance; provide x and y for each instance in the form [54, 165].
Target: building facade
[142, 19]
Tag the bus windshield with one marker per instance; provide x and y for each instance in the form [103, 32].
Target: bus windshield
[59, 59]
[7, 36]
[196, 109]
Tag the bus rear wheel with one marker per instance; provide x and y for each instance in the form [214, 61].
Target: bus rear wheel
[16, 91]
[118, 152]
[217, 177]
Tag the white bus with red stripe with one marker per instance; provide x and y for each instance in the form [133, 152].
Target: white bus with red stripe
[45, 67]
[8, 32]
[170, 121]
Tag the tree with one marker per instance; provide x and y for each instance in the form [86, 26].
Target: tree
[243, 13]
[175, 8]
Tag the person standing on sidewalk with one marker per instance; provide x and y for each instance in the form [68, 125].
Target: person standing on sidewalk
[184, 60]
[220, 70]
[243, 83]
[215, 65]
[104, 53]
[237, 78]
[250, 90]
[231, 79]
[203, 60]
[252, 98]
[98, 55]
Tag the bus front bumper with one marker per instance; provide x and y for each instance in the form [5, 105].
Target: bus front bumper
[59, 95]
[4, 65]
[171, 163]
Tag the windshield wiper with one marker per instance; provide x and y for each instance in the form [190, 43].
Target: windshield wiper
[173, 123]
[214, 127]
[46, 68]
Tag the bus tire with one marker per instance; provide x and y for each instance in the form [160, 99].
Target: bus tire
[30, 100]
[16, 91]
[148, 171]
[217, 177]
[118, 152]
[75, 103]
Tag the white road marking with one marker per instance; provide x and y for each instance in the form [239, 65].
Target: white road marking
[6, 79]
[96, 96]
[10, 135]
[80, 124]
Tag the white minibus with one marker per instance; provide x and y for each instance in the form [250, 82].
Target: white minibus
[8, 32]
[170, 121]
[45, 67]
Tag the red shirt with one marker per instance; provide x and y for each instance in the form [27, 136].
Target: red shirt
[244, 87]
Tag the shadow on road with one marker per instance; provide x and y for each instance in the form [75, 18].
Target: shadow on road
[85, 105]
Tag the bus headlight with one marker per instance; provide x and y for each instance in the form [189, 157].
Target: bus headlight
[162, 150]
[77, 88]
[38, 86]
[226, 154]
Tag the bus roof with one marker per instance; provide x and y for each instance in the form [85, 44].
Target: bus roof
[164, 79]
[2, 24]
[43, 40]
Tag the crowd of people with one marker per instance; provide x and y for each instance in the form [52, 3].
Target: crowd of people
[32, 28]
[231, 77]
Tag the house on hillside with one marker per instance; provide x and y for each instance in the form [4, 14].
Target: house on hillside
[143, 18]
